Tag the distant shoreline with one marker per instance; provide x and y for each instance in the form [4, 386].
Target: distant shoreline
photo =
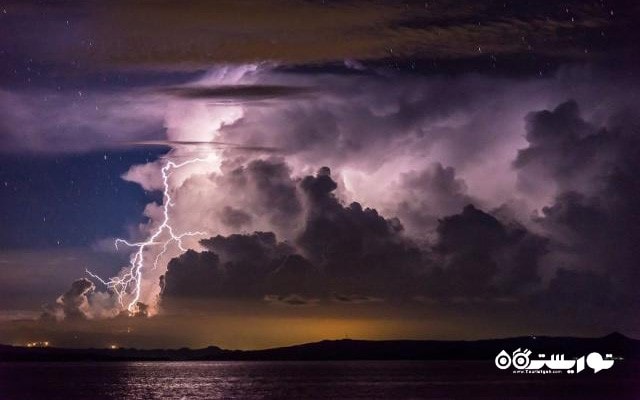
[342, 350]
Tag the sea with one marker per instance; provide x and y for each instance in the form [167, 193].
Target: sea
[368, 380]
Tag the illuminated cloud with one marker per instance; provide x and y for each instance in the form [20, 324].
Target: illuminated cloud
[348, 249]
[390, 219]
[81, 301]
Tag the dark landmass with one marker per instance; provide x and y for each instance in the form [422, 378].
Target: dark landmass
[616, 344]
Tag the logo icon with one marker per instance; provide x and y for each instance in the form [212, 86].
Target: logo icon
[556, 363]
[595, 361]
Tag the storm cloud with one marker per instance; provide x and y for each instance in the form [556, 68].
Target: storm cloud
[81, 302]
[351, 254]
[424, 200]
[254, 266]
[592, 219]
[455, 252]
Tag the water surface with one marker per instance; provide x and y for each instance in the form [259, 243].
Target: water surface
[304, 380]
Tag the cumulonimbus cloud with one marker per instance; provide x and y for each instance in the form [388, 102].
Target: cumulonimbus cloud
[406, 209]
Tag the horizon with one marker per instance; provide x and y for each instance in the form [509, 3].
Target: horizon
[114, 346]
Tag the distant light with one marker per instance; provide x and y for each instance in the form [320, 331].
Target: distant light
[38, 344]
[113, 347]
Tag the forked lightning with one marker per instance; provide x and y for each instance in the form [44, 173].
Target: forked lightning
[128, 282]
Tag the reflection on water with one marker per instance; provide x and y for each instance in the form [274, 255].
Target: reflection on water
[303, 380]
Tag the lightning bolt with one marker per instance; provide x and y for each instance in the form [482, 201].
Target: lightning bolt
[129, 282]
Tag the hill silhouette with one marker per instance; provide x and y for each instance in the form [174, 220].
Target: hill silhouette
[346, 349]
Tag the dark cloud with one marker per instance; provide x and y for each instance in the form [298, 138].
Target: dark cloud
[247, 249]
[308, 32]
[355, 299]
[290, 300]
[196, 146]
[296, 274]
[592, 220]
[480, 256]
[358, 249]
[236, 93]
[563, 149]
[193, 274]
[239, 266]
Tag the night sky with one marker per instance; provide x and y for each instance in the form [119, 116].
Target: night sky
[374, 170]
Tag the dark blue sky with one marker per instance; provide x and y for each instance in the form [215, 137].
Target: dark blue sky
[69, 200]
